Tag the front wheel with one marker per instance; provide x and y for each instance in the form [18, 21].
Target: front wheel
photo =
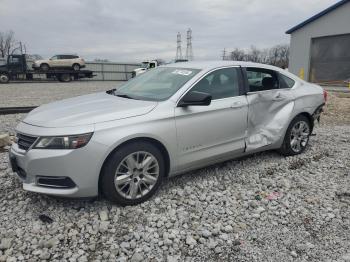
[4, 78]
[133, 173]
[297, 136]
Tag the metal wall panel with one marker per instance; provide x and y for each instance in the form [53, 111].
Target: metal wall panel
[111, 71]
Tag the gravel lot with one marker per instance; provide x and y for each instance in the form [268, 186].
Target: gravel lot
[34, 94]
[260, 208]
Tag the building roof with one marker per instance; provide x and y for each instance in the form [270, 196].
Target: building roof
[315, 17]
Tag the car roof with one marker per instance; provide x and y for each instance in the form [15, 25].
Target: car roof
[67, 54]
[210, 65]
[207, 65]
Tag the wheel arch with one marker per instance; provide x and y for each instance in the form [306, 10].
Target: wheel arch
[309, 117]
[153, 141]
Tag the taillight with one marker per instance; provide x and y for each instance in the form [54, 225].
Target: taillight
[325, 95]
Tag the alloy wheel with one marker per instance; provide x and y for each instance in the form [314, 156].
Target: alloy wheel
[299, 136]
[136, 175]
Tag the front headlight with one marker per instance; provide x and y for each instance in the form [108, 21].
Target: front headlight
[63, 142]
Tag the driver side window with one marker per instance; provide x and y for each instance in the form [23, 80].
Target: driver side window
[221, 83]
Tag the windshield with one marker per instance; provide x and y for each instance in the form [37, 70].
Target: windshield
[157, 84]
[144, 64]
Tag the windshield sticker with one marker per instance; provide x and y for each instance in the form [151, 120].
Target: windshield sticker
[182, 72]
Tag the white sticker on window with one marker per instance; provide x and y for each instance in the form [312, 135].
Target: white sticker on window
[182, 72]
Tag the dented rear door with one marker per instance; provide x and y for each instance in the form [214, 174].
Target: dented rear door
[269, 113]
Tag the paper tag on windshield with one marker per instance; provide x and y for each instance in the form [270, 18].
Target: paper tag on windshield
[182, 72]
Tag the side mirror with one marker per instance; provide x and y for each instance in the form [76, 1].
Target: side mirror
[195, 98]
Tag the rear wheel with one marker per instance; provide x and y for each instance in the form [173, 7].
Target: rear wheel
[76, 67]
[44, 67]
[133, 173]
[297, 136]
[65, 78]
[4, 78]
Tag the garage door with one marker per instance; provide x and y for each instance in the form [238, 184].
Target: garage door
[330, 59]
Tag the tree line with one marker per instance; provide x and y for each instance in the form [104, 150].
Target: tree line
[7, 43]
[277, 55]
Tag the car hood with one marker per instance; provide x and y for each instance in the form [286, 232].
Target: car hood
[41, 61]
[140, 69]
[87, 109]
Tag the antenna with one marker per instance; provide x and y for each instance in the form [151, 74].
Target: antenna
[189, 52]
[178, 48]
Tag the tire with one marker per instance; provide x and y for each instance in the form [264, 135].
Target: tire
[297, 136]
[76, 67]
[145, 180]
[44, 67]
[4, 78]
[65, 78]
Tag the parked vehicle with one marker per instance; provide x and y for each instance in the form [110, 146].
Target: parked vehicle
[145, 66]
[173, 119]
[60, 61]
[16, 68]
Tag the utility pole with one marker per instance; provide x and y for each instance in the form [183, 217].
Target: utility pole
[189, 52]
[178, 48]
[224, 54]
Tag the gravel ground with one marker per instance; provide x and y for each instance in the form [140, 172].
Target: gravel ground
[34, 94]
[260, 208]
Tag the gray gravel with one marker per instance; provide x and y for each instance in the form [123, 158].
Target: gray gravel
[34, 94]
[261, 208]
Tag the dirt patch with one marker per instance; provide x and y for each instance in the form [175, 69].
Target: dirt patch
[337, 109]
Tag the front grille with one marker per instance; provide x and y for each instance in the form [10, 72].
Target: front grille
[25, 142]
[55, 182]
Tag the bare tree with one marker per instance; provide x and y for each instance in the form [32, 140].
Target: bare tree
[238, 55]
[277, 55]
[284, 56]
[7, 42]
[254, 54]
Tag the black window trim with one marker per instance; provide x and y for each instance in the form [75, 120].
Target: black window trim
[241, 84]
[278, 74]
[281, 79]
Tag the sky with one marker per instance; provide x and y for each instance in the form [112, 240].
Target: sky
[132, 31]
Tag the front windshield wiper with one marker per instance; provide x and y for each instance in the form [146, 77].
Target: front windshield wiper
[113, 92]
[124, 95]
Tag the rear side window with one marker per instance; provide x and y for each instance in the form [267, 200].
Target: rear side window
[286, 82]
[260, 79]
[221, 83]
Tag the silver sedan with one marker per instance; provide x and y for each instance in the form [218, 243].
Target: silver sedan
[123, 143]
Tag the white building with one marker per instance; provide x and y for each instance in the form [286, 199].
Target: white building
[320, 46]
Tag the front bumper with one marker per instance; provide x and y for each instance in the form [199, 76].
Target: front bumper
[81, 166]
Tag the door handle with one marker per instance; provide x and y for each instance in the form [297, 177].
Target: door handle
[237, 104]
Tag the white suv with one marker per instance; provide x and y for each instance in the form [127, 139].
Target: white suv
[60, 61]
